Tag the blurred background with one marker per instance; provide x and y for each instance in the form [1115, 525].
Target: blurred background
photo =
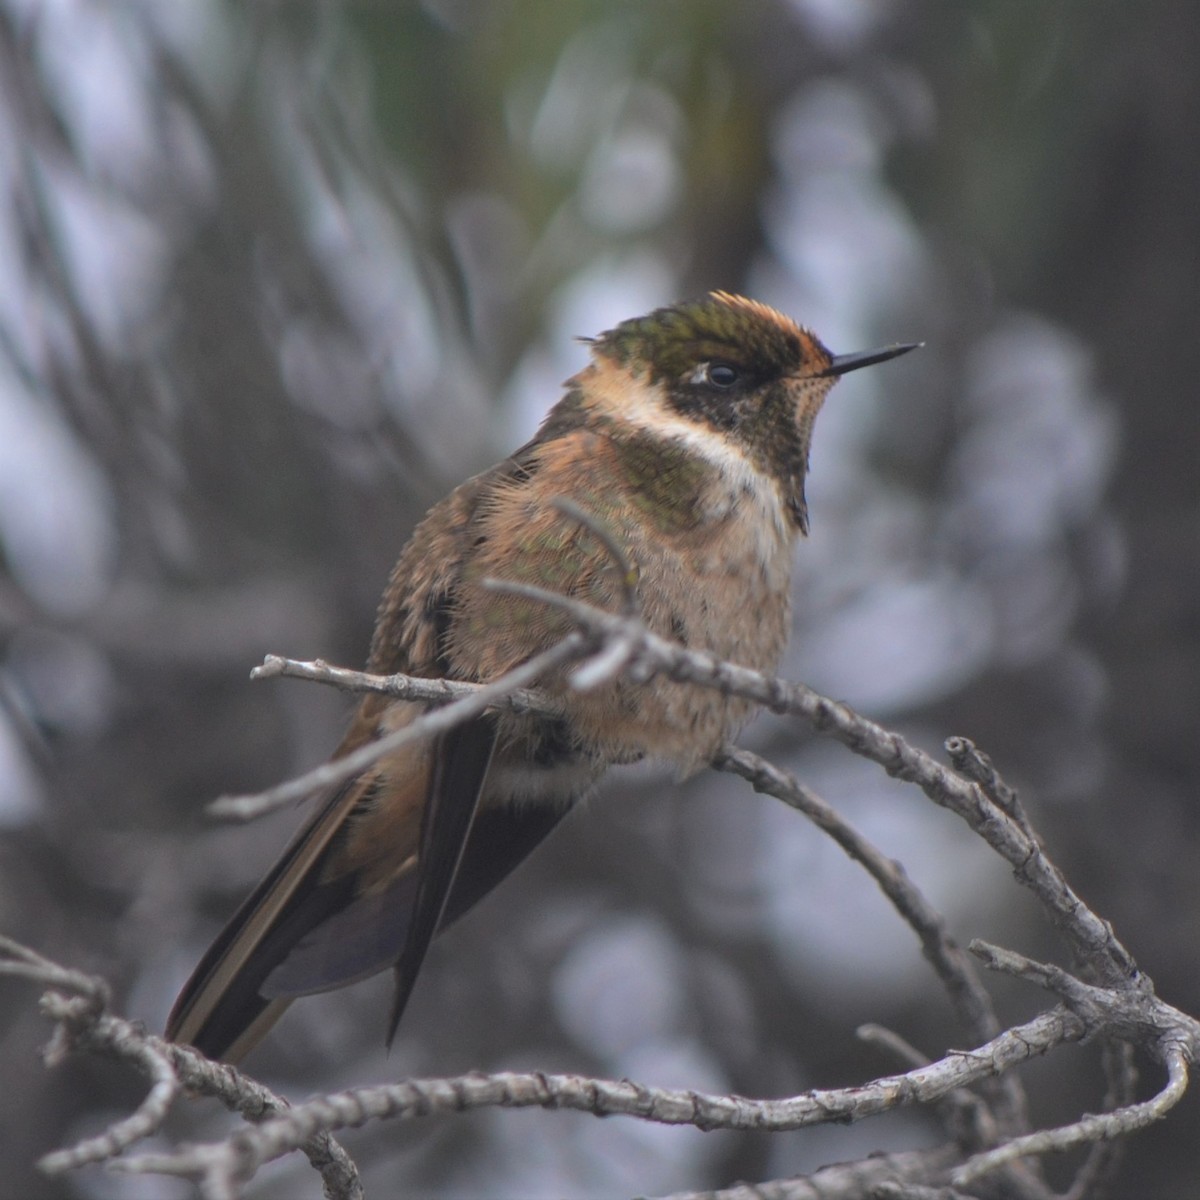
[274, 276]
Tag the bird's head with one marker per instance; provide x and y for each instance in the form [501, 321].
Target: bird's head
[740, 368]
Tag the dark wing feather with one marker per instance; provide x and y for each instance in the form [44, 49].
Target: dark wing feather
[460, 763]
[501, 839]
[312, 924]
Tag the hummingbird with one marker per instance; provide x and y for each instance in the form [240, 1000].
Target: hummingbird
[686, 438]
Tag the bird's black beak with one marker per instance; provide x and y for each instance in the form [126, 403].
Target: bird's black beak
[866, 358]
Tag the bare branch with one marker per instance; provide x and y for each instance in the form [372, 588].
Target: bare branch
[416, 1098]
[954, 968]
[339, 770]
[402, 687]
[1092, 938]
[1119, 1006]
[969, 1118]
[972, 762]
[85, 1025]
[221, 1166]
[1137, 1015]
[78, 1015]
[984, 800]
[843, 1181]
[1091, 1128]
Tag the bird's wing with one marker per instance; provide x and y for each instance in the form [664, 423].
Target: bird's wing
[361, 888]
[371, 876]
[299, 932]
[221, 1002]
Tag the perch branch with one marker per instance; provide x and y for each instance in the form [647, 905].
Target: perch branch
[84, 1024]
[339, 770]
[1092, 938]
[953, 967]
[1124, 1009]
[414, 1098]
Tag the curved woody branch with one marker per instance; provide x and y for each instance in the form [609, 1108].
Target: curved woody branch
[1114, 1002]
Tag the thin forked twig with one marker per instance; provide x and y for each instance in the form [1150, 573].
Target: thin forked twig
[1091, 938]
[339, 770]
[1090, 1128]
[76, 1014]
[956, 970]
[85, 1023]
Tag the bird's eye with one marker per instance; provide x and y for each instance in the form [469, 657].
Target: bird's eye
[722, 375]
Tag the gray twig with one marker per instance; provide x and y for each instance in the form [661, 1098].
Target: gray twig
[954, 968]
[339, 770]
[417, 1098]
[972, 762]
[1092, 1127]
[1090, 937]
[84, 1024]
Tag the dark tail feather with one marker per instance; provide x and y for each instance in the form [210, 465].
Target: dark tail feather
[221, 1005]
[297, 934]
[461, 759]
[234, 1020]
